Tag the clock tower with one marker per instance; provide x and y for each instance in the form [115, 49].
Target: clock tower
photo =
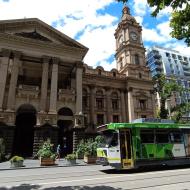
[130, 59]
[130, 52]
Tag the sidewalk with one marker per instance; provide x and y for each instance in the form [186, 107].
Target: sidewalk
[28, 163]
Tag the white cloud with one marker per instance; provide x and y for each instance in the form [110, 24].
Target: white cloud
[164, 30]
[140, 7]
[152, 35]
[139, 19]
[101, 44]
[71, 18]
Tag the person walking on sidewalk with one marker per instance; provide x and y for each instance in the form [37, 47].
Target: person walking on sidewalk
[58, 151]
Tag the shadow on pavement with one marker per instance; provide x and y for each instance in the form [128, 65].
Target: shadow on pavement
[32, 187]
[22, 187]
[145, 169]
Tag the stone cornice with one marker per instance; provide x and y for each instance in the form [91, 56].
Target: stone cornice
[24, 24]
[53, 47]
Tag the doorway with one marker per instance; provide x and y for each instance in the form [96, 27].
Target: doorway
[126, 149]
[24, 130]
[65, 137]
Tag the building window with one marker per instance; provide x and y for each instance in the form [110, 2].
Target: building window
[84, 102]
[167, 54]
[115, 104]
[99, 72]
[100, 119]
[114, 74]
[136, 59]
[143, 116]
[99, 103]
[85, 98]
[140, 75]
[142, 104]
[115, 119]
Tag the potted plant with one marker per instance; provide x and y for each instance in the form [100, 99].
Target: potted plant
[81, 149]
[46, 154]
[71, 159]
[17, 161]
[90, 154]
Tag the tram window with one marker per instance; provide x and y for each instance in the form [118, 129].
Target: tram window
[110, 138]
[147, 137]
[114, 141]
[176, 138]
[162, 138]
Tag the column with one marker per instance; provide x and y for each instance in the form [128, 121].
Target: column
[92, 104]
[4, 63]
[130, 105]
[13, 81]
[108, 106]
[44, 84]
[123, 110]
[54, 84]
[79, 71]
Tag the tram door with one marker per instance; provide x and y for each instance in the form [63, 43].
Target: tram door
[126, 149]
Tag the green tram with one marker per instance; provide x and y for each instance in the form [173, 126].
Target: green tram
[144, 142]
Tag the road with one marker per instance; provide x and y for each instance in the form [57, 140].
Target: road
[94, 178]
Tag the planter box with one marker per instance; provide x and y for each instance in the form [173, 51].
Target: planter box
[90, 159]
[17, 164]
[47, 162]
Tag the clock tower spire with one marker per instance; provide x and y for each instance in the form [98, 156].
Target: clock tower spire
[130, 52]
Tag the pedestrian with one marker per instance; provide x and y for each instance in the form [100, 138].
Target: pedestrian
[58, 151]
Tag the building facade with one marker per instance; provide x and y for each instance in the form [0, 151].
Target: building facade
[48, 92]
[172, 64]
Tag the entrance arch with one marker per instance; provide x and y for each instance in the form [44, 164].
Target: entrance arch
[24, 131]
[65, 124]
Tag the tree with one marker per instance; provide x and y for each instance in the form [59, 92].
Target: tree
[180, 16]
[165, 90]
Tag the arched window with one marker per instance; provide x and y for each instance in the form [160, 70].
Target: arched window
[84, 98]
[99, 99]
[137, 59]
[99, 72]
[115, 102]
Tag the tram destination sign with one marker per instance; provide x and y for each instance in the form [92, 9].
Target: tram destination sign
[152, 120]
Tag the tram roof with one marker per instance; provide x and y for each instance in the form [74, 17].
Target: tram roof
[147, 125]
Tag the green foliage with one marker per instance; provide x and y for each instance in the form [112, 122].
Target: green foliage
[166, 89]
[179, 111]
[46, 150]
[71, 156]
[2, 149]
[16, 159]
[180, 17]
[89, 147]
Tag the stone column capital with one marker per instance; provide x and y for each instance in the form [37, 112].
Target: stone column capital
[17, 54]
[79, 64]
[55, 60]
[6, 52]
[45, 58]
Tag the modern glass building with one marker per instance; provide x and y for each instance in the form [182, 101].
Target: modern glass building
[173, 64]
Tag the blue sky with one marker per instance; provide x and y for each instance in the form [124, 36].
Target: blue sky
[93, 22]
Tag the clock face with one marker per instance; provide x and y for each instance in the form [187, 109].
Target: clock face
[133, 36]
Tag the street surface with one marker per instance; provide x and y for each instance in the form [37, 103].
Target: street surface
[94, 177]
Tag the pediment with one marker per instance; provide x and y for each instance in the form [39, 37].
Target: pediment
[35, 29]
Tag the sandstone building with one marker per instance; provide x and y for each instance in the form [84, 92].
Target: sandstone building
[48, 92]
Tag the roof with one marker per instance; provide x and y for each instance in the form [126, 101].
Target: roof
[115, 126]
